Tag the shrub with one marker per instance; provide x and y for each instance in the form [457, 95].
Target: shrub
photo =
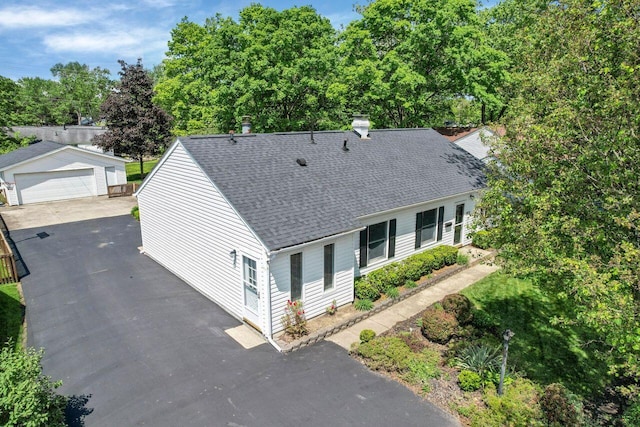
[462, 259]
[558, 408]
[294, 320]
[392, 292]
[631, 416]
[365, 290]
[388, 353]
[135, 212]
[28, 398]
[458, 305]
[412, 269]
[367, 335]
[410, 284]
[469, 380]
[479, 359]
[363, 305]
[481, 239]
[438, 325]
[518, 406]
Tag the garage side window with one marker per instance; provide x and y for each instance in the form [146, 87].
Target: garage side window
[296, 276]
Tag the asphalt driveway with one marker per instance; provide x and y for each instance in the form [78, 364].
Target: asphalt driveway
[136, 346]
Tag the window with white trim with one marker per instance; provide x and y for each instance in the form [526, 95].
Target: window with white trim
[329, 266]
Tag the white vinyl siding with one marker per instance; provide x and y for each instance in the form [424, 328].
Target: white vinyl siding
[68, 161]
[406, 230]
[188, 227]
[315, 298]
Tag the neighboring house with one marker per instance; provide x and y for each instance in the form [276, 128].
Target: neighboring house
[473, 140]
[78, 136]
[254, 220]
[47, 171]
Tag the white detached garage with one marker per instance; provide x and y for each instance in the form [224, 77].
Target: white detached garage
[48, 171]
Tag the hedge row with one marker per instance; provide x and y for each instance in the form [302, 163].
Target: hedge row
[413, 268]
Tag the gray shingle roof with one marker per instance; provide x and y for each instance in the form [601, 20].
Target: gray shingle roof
[288, 204]
[29, 152]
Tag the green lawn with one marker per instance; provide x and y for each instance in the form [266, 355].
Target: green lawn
[546, 353]
[133, 170]
[11, 314]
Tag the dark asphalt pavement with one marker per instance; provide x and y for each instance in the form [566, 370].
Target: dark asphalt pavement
[134, 345]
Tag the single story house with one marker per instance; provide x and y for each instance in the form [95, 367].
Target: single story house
[47, 171]
[254, 220]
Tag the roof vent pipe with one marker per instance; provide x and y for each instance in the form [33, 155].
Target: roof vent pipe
[344, 145]
[231, 138]
[361, 125]
[246, 124]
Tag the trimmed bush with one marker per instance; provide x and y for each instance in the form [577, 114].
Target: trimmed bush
[135, 212]
[367, 335]
[469, 380]
[558, 408]
[411, 269]
[438, 325]
[363, 305]
[388, 353]
[460, 306]
[481, 239]
[365, 290]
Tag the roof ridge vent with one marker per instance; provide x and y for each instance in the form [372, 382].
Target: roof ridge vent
[361, 125]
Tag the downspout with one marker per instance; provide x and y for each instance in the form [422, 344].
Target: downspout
[269, 311]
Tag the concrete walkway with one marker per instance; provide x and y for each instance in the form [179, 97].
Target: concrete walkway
[413, 305]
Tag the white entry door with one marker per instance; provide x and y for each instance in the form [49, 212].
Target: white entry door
[251, 293]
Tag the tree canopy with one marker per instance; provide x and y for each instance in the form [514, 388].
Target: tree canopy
[80, 90]
[137, 127]
[403, 63]
[564, 195]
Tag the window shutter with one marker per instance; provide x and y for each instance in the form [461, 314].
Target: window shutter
[392, 238]
[440, 222]
[363, 247]
[418, 229]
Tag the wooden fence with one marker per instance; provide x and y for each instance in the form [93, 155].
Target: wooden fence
[8, 270]
[122, 189]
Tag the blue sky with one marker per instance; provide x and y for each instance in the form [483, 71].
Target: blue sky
[37, 34]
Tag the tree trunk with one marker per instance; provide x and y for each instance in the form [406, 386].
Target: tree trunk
[484, 114]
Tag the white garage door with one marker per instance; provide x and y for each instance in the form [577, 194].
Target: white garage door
[59, 185]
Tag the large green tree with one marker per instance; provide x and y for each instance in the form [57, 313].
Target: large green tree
[278, 67]
[425, 54]
[35, 102]
[565, 195]
[8, 108]
[80, 90]
[137, 126]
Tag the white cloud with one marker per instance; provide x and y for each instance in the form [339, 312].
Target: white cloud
[125, 42]
[34, 17]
